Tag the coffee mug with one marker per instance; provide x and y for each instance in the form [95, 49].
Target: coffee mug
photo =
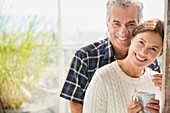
[144, 98]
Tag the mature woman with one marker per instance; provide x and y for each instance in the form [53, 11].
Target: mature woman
[113, 85]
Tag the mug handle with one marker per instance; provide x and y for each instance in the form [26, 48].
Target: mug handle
[135, 98]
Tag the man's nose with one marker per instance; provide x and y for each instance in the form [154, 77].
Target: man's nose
[123, 31]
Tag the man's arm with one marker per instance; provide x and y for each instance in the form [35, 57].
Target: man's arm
[76, 107]
[155, 67]
[76, 82]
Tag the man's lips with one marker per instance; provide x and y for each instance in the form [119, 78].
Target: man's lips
[122, 39]
[139, 58]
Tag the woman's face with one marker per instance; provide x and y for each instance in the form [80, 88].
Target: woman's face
[145, 48]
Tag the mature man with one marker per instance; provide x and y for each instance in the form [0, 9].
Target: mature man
[122, 18]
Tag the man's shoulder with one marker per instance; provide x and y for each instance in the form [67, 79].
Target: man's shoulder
[155, 66]
[95, 46]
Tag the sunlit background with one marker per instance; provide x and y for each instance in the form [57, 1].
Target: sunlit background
[70, 24]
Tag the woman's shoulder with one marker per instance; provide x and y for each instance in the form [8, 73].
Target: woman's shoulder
[107, 67]
[107, 71]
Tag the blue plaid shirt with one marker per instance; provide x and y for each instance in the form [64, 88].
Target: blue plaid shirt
[85, 62]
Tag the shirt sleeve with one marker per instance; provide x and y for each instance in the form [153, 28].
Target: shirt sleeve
[77, 80]
[155, 66]
[95, 100]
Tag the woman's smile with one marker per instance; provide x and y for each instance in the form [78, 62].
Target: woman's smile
[140, 58]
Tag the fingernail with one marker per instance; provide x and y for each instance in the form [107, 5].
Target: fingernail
[156, 84]
[148, 105]
[140, 112]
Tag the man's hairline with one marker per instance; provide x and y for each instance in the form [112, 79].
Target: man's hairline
[138, 20]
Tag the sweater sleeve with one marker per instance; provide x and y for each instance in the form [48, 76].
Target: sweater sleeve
[95, 100]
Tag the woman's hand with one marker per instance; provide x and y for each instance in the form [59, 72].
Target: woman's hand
[153, 106]
[134, 107]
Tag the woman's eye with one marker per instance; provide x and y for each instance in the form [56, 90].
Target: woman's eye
[153, 49]
[141, 42]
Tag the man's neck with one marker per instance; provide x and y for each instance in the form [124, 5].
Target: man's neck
[121, 53]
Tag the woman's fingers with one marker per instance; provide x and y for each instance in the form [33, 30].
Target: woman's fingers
[152, 110]
[134, 107]
[154, 101]
[153, 107]
[134, 104]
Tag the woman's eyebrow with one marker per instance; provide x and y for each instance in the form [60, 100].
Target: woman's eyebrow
[156, 47]
[145, 41]
[142, 39]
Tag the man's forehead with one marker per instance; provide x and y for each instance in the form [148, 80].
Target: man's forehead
[124, 20]
[130, 14]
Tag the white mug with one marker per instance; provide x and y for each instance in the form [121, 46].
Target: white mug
[144, 98]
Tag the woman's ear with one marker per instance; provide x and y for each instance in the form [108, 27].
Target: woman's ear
[161, 52]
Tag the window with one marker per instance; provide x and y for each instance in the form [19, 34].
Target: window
[69, 24]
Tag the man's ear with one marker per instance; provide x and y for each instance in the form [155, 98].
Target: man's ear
[107, 24]
[132, 38]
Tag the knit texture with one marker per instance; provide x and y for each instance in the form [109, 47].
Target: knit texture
[111, 90]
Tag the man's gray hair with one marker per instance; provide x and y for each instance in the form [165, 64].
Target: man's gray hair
[124, 4]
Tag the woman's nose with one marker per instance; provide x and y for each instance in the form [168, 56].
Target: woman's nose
[144, 51]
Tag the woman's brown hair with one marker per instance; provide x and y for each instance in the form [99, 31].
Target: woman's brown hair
[151, 25]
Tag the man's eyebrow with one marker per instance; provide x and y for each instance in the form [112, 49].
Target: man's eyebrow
[131, 21]
[128, 22]
[116, 21]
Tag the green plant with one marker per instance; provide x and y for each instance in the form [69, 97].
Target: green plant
[22, 59]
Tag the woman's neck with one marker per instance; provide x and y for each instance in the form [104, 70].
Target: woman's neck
[129, 69]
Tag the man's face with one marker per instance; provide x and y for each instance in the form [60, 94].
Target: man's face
[121, 24]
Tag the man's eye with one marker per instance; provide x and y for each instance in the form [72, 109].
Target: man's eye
[116, 24]
[131, 25]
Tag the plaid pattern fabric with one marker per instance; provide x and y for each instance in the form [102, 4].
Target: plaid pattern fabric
[85, 62]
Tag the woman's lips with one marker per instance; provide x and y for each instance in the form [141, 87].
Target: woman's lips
[139, 58]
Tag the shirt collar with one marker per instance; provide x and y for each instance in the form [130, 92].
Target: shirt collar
[109, 51]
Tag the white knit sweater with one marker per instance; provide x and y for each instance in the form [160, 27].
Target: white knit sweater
[111, 90]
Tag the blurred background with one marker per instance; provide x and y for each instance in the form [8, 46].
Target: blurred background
[65, 25]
